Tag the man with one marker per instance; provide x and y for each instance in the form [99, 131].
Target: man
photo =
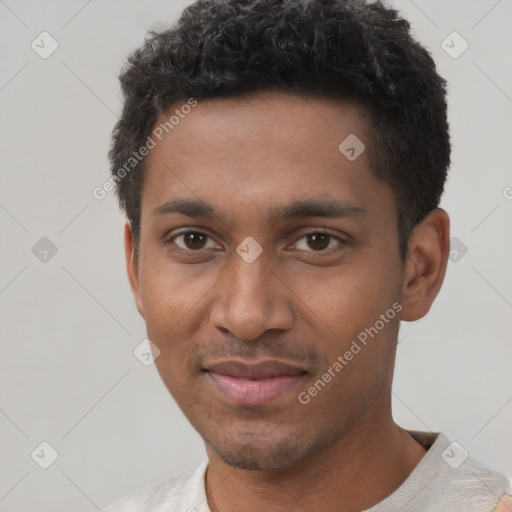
[281, 165]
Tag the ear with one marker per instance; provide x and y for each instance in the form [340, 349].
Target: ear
[132, 266]
[425, 266]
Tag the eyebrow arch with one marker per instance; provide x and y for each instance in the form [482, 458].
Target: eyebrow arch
[317, 208]
[188, 207]
[300, 209]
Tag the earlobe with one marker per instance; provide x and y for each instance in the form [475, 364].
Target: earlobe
[425, 266]
[132, 266]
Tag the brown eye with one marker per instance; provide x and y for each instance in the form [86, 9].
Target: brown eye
[194, 240]
[318, 241]
[191, 240]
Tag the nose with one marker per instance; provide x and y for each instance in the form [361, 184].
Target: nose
[250, 300]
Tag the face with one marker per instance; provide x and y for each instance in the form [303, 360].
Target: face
[266, 257]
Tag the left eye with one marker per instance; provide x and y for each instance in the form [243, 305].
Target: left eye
[318, 241]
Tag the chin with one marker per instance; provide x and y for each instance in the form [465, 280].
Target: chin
[269, 451]
[253, 458]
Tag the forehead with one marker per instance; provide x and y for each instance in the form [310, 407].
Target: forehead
[234, 126]
[260, 153]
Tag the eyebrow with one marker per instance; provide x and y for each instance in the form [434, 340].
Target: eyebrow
[300, 209]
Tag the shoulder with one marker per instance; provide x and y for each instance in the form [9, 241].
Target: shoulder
[479, 487]
[462, 481]
[505, 504]
[180, 493]
[448, 478]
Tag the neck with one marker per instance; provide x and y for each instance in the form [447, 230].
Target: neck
[356, 472]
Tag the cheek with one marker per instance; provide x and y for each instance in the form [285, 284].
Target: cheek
[169, 291]
[346, 306]
[349, 296]
[174, 303]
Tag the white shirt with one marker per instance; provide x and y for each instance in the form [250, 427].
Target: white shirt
[445, 480]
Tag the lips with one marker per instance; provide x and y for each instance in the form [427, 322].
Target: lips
[254, 371]
[253, 384]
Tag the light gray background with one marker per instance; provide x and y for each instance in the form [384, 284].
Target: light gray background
[69, 326]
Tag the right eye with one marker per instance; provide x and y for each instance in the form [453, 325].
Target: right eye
[193, 241]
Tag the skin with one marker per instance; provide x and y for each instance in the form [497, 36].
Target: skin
[302, 301]
[505, 504]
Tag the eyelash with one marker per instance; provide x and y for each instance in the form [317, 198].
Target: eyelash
[199, 251]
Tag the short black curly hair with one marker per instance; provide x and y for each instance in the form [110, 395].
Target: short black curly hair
[352, 50]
